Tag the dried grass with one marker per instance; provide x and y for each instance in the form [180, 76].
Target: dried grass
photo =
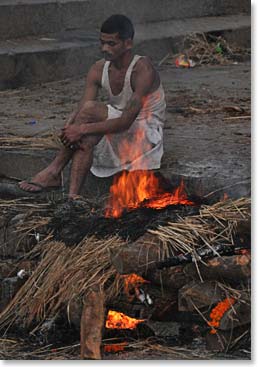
[30, 143]
[203, 49]
[63, 274]
[151, 347]
[214, 225]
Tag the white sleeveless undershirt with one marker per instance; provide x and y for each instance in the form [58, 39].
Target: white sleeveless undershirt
[120, 100]
[106, 158]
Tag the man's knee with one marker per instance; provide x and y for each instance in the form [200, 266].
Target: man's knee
[89, 142]
[92, 111]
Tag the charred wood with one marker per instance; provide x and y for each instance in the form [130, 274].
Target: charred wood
[232, 268]
[8, 288]
[92, 323]
[238, 315]
[224, 340]
[71, 222]
[197, 295]
[138, 257]
[162, 308]
[170, 278]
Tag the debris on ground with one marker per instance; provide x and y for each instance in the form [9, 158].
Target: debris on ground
[202, 49]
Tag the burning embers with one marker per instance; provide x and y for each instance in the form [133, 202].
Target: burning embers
[118, 320]
[132, 283]
[142, 189]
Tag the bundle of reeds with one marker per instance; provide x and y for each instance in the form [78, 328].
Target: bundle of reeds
[63, 274]
[214, 225]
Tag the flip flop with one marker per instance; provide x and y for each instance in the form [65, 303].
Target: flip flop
[41, 187]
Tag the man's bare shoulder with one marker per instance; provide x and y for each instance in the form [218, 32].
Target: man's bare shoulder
[144, 67]
[96, 70]
[144, 64]
[99, 64]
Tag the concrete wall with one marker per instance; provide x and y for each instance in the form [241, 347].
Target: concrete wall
[21, 18]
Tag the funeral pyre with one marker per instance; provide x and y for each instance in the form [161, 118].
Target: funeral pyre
[167, 274]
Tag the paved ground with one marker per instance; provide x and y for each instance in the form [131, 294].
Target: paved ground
[206, 139]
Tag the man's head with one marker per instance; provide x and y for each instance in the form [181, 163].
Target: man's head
[116, 36]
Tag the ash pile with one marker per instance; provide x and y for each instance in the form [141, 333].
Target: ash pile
[173, 282]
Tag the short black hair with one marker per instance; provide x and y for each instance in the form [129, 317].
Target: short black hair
[120, 24]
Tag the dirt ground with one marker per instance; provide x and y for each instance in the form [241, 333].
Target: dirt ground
[207, 133]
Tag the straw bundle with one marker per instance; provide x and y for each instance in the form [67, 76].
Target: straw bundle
[63, 275]
[214, 225]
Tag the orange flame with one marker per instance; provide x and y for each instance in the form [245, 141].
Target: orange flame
[218, 311]
[133, 188]
[132, 281]
[118, 320]
[113, 348]
[141, 189]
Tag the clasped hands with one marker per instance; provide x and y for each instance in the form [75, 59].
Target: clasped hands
[71, 135]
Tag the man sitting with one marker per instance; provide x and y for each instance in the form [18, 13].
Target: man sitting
[96, 133]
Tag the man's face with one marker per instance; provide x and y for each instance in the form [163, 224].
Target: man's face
[112, 46]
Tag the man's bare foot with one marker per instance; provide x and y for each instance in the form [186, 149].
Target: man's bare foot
[43, 180]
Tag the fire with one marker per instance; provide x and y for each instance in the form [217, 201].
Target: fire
[118, 320]
[113, 348]
[141, 189]
[132, 281]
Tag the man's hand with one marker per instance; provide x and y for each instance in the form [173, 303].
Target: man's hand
[71, 135]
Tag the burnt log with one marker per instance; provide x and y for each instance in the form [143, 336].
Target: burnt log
[138, 257]
[242, 233]
[92, 323]
[8, 288]
[232, 268]
[170, 278]
[197, 295]
[162, 307]
[12, 242]
[6, 269]
[223, 340]
[238, 315]
[10, 268]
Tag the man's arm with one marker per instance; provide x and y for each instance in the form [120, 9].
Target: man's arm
[144, 79]
[90, 93]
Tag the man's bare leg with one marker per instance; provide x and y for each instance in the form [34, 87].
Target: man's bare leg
[51, 175]
[81, 164]
[82, 158]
